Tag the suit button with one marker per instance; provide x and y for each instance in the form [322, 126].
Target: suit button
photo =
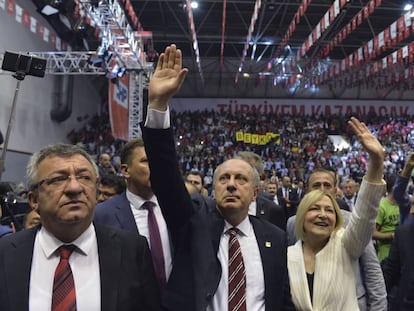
[209, 296]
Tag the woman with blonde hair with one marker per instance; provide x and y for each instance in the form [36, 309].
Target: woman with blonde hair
[322, 264]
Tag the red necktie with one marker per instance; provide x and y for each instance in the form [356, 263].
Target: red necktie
[64, 296]
[237, 274]
[155, 244]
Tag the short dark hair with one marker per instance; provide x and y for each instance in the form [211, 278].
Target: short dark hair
[197, 173]
[112, 180]
[126, 152]
[326, 170]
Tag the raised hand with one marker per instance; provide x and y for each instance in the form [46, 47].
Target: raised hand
[373, 147]
[167, 78]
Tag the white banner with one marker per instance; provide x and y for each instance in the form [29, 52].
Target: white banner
[296, 107]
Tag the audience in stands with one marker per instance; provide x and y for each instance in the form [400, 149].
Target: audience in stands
[208, 137]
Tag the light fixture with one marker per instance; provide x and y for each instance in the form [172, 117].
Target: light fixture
[51, 8]
[116, 72]
[408, 7]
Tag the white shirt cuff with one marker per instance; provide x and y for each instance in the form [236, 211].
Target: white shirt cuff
[158, 119]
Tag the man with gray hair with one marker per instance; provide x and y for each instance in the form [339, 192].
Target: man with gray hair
[68, 263]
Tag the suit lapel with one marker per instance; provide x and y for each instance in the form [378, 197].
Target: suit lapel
[18, 265]
[265, 247]
[125, 216]
[109, 260]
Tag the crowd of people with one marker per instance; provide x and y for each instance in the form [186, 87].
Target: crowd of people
[207, 138]
[189, 218]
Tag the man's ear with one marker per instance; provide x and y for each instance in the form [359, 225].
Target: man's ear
[32, 198]
[256, 192]
[124, 170]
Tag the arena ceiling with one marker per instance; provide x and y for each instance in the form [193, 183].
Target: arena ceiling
[279, 44]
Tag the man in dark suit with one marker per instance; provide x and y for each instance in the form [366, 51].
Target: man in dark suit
[199, 277]
[263, 207]
[398, 269]
[109, 269]
[127, 211]
[288, 197]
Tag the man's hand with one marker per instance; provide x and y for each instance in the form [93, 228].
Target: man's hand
[167, 78]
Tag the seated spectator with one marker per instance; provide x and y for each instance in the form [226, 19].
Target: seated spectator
[109, 186]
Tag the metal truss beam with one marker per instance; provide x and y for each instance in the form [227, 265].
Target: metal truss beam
[116, 32]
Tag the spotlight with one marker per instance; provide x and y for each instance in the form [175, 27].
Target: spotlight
[51, 8]
[101, 57]
[116, 72]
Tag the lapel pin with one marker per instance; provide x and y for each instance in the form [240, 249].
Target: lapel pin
[268, 244]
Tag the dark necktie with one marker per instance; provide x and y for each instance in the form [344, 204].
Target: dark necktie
[155, 244]
[237, 274]
[64, 296]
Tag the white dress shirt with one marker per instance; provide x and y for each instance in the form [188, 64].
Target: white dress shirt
[84, 262]
[253, 208]
[141, 219]
[255, 299]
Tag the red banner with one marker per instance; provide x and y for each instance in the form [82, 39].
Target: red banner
[118, 107]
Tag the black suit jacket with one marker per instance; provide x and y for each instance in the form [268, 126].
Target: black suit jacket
[196, 236]
[398, 268]
[127, 276]
[269, 210]
[293, 198]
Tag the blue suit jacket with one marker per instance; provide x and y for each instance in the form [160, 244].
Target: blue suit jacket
[196, 236]
[127, 276]
[116, 212]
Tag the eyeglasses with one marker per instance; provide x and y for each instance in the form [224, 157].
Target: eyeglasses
[60, 181]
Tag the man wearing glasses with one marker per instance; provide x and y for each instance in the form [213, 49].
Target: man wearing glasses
[69, 249]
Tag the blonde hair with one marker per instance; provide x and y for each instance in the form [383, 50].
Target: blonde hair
[307, 202]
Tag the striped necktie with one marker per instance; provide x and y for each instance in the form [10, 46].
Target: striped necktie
[237, 274]
[64, 295]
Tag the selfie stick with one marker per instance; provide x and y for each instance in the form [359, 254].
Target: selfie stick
[10, 124]
[20, 74]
